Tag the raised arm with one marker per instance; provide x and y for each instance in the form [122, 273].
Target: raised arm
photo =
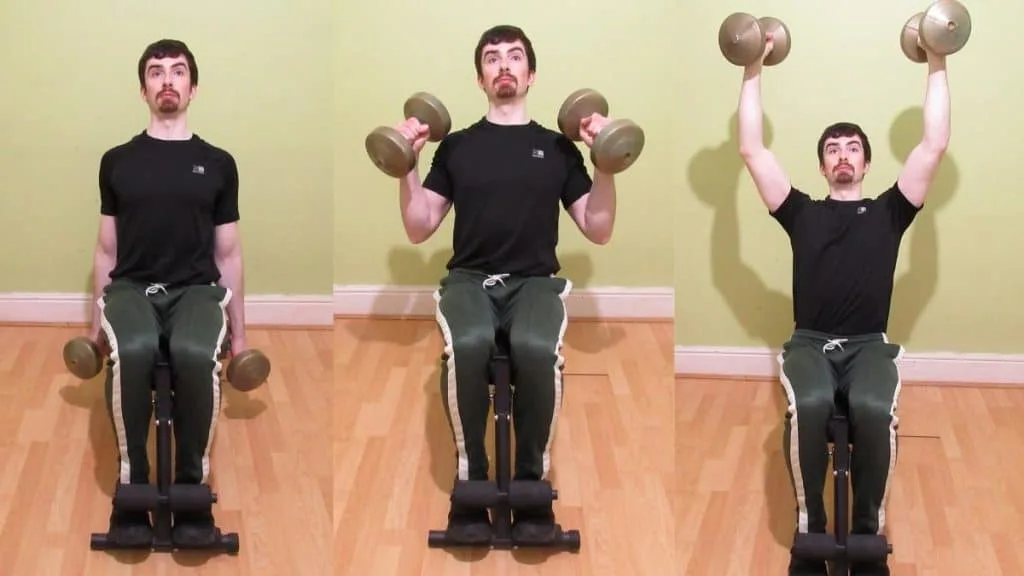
[771, 180]
[422, 209]
[924, 159]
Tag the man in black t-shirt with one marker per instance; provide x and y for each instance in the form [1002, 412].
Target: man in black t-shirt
[844, 258]
[168, 263]
[506, 176]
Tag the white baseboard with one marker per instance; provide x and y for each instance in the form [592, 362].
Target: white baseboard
[938, 368]
[593, 303]
[71, 308]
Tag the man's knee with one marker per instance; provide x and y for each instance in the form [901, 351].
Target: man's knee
[532, 352]
[472, 345]
[871, 411]
[139, 349]
[190, 356]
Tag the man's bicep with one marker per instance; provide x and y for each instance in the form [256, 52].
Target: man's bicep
[226, 208]
[226, 240]
[106, 241]
[438, 206]
[108, 199]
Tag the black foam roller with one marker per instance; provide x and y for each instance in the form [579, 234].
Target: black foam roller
[866, 547]
[475, 493]
[190, 497]
[814, 546]
[136, 497]
[530, 494]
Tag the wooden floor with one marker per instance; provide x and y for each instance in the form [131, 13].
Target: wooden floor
[612, 459]
[957, 503]
[271, 464]
[676, 477]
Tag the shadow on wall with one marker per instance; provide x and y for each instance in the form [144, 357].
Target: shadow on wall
[916, 287]
[767, 314]
[408, 267]
[714, 175]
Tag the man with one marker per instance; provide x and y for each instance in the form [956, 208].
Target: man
[168, 263]
[505, 175]
[844, 257]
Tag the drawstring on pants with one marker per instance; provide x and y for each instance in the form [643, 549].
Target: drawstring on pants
[494, 280]
[156, 287]
[833, 344]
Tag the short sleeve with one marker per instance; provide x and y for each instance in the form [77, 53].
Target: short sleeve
[439, 178]
[900, 208]
[108, 199]
[226, 207]
[578, 181]
[789, 211]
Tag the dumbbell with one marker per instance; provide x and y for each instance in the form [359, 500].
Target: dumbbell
[391, 152]
[617, 146]
[742, 39]
[943, 28]
[248, 370]
[82, 357]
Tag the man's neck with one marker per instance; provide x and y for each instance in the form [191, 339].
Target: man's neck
[846, 192]
[508, 112]
[169, 127]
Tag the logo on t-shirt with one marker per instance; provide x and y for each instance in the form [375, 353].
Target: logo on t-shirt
[198, 169]
[538, 153]
[862, 209]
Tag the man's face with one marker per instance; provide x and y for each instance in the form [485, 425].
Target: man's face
[169, 87]
[506, 70]
[844, 160]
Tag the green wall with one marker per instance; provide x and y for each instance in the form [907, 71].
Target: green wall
[959, 277]
[70, 91]
[387, 51]
[291, 89]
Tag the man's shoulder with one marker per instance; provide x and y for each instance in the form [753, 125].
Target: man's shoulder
[119, 150]
[212, 150]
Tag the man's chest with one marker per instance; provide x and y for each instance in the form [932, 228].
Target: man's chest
[184, 181]
[522, 168]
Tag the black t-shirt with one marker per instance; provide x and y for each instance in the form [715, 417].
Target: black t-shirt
[168, 197]
[844, 259]
[505, 184]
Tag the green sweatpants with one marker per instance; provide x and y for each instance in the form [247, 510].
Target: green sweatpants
[814, 367]
[193, 322]
[471, 308]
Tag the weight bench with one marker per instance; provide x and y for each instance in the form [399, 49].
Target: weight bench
[842, 548]
[166, 498]
[504, 495]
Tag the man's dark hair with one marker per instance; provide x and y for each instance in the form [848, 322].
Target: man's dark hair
[499, 34]
[843, 130]
[167, 48]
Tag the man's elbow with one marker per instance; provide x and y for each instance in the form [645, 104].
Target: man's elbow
[600, 236]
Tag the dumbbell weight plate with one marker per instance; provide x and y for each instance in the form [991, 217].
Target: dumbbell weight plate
[781, 40]
[82, 358]
[908, 39]
[618, 146]
[741, 39]
[577, 106]
[249, 370]
[945, 27]
[429, 110]
[390, 151]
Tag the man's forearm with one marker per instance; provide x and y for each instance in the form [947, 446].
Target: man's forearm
[600, 212]
[232, 277]
[102, 266]
[415, 211]
[750, 112]
[936, 105]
